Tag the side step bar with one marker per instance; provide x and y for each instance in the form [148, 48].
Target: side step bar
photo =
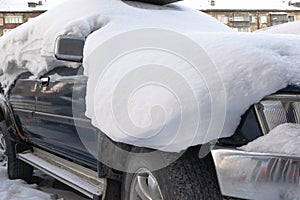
[78, 177]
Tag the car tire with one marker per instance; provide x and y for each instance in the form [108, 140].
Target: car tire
[187, 178]
[16, 169]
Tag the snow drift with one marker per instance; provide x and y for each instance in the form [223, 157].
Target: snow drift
[42, 190]
[283, 139]
[286, 28]
[160, 77]
[19, 189]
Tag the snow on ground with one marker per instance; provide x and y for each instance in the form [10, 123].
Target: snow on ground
[283, 139]
[286, 28]
[19, 189]
[46, 188]
[202, 73]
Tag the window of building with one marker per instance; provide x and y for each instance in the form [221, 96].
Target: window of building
[241, 24]
[241, 17]
[240, 20]
[6, 31]
[278, 18]
[263, 19]
[291, 18]
[1, 21]
[243, 29]
[253, 19]
[32, 4]
[13, 19]
[223, 19]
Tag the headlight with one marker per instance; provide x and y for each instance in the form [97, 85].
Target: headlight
[278, 109]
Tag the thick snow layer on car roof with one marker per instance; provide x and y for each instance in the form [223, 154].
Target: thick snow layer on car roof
[160, 77]
[283, 139]
[30, 46]
[286, 28]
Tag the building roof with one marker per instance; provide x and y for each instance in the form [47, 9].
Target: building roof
[241, 4]
[22, 5]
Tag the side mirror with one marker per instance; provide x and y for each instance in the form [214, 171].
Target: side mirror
[69, 48]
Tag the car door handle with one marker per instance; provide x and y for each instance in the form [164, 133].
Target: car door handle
[44, 81]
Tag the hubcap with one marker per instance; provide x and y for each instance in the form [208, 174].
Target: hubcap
[144, 186]
[3, 156]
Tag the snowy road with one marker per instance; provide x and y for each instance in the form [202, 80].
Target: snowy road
[43, 188]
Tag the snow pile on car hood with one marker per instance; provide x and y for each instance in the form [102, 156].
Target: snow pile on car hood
[286, 28]
[159, 77]
[174, 104]
[283, 139]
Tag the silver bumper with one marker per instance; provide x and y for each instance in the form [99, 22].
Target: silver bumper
[250, 175]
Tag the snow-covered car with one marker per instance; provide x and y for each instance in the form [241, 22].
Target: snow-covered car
[131, 100]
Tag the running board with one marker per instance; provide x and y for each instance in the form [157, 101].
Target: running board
[76, 176]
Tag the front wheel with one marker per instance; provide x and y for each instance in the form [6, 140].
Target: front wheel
[187, 178]
[3, 153]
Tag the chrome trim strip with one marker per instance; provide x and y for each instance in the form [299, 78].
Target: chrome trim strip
[289, 97]
[252, 175]
[22, 110]
[59, 118]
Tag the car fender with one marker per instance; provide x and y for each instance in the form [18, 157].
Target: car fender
[7, 114]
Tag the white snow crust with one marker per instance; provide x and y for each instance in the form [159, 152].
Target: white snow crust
[283, 139]
[45, 190]
[19, 189]
[286, 28]
[250, 66]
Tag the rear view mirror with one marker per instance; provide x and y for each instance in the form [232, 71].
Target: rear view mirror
[69, 48]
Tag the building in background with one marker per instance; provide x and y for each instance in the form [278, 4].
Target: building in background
[241, 15]
[247, 16]
[16, 12]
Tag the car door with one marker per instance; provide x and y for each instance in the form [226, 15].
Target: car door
[55, 117]
[22, 97]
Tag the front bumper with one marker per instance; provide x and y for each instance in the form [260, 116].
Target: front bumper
[251, 175]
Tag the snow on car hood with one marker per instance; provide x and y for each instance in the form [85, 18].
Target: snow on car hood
[159, 77]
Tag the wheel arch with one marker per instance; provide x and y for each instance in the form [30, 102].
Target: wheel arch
[7, 115]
